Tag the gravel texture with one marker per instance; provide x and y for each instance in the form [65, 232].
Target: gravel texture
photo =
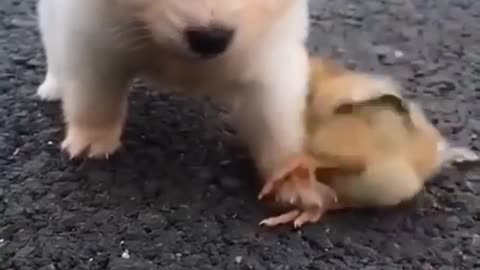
[181, 195]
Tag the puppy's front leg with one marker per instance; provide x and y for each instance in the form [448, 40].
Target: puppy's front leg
[273, 124]
[95, 111]
[270, 117]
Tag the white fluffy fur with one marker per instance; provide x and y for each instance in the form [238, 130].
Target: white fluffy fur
[95, 47]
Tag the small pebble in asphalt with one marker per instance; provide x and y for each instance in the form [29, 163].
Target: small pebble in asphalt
[238, 259]
[476, 241]
[126, 254]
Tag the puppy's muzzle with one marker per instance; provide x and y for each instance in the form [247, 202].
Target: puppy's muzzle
[210, 41]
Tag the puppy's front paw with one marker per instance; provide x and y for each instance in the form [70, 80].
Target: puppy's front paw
[95, 142]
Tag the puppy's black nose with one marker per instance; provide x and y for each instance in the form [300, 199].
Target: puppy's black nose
[208, 41]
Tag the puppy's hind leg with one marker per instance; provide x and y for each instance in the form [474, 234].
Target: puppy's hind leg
[50, 89]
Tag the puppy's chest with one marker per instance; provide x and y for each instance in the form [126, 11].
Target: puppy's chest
[194, 77]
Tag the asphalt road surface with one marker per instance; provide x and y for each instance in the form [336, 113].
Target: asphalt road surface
[182, 196]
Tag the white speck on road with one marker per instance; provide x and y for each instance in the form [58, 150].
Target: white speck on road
[238, 259]
[398, 54]
[126, 254]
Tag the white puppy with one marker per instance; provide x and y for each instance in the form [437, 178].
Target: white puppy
[248, 54]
